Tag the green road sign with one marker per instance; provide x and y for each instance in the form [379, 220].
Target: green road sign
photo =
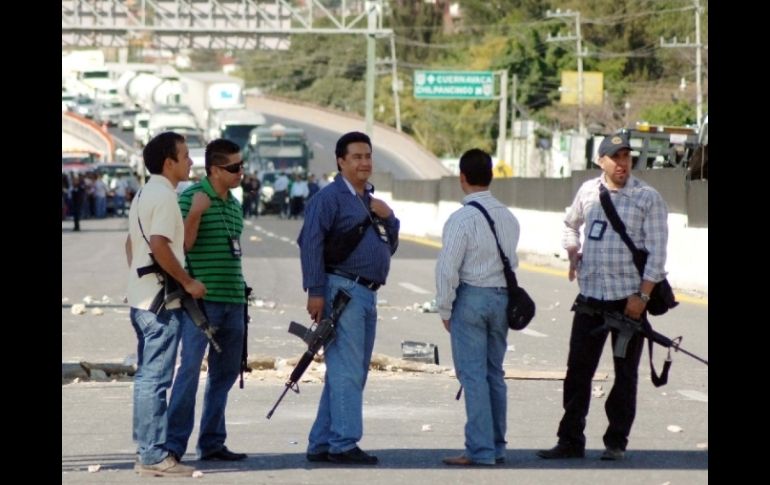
[454, 85]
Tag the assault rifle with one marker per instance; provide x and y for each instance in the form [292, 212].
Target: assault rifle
[171, 291]
[627, 327]
[318, 335]
[245, 351]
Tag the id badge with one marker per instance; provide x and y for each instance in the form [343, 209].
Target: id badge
[597, 230]
[381, 231]
[235, 247]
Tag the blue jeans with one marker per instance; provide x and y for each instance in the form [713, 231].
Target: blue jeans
[339, 424]
[158, 338]
[223, 370]
[478, 333]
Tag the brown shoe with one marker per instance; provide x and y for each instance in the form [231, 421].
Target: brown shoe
[461, 460]
[169, 467]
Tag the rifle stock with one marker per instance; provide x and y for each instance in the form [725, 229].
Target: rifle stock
[318, 335]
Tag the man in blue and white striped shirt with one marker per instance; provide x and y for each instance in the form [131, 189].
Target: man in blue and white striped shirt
[472, 297]
[609, 280]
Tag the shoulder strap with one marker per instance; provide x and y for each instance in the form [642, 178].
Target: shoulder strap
[617, 224]
[506, 262]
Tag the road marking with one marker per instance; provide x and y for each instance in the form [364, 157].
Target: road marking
[533, 333]
[414, 288]
[420, 240]
[694, 395]
[681, 297]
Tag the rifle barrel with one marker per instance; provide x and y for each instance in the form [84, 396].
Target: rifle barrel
[699, 359]
[286, 389]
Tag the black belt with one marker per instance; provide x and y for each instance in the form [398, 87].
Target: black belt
[358, 279]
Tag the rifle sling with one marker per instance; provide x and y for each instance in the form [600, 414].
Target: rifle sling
[662, 379]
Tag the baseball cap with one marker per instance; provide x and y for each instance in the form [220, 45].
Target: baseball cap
[612, 143]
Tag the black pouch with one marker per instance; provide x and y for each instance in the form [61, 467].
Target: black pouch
[521, 307]
[337, 247]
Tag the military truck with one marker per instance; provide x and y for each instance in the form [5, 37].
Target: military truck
[653, 146]
[277, 148]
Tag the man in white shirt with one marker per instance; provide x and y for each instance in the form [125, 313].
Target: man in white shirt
[156, 235]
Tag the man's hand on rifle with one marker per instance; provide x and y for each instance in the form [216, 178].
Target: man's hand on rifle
[315, 307]
[635, 305]
[195, 288]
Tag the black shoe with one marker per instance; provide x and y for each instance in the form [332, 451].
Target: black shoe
[318, 457]
[224, 455]
[612, 454]
[355, 456]
[562, 451]
[499, 460]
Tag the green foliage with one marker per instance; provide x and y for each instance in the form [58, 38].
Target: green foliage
[620, 36]
[679, 113]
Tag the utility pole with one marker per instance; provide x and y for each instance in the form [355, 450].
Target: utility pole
[371, 8]
[394, 76]
[698, 62]
[503, 115]
[578, 38]
[514, 86]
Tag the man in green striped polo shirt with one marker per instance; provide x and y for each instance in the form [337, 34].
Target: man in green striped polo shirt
[213, 222]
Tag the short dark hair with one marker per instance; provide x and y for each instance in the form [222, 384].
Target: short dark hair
[352, 137]
[160, 148]
[476, 165]
[217, 152]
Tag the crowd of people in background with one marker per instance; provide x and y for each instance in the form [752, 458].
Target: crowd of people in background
[87, 195]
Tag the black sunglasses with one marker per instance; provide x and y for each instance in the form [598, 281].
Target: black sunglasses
[232, 168]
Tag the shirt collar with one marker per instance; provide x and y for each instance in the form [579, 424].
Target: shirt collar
[631, 184]
[476, 196]
[157, 178]
[209, 189]
[367, 187]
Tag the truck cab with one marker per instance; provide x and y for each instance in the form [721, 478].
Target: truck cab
[655, 146]
[277, 148]
[235, 125]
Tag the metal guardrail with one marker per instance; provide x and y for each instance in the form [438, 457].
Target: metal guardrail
[91, 134]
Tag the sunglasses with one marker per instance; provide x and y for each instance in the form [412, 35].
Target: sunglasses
[232, 168]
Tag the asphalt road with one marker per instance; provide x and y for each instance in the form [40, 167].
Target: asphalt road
[669, 442]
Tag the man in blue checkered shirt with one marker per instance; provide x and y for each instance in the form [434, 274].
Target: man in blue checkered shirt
[608, 280]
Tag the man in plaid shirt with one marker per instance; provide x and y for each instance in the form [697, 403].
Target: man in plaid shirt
[608, 280]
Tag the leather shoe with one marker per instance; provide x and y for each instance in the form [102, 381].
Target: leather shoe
[562, 450]
[463, 460]
[612, 454]
[355, 456]
[318, 457]
[224, 455]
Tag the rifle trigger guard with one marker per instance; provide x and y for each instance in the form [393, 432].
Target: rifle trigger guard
[294, 387]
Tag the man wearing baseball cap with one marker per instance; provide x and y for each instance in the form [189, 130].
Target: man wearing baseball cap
[608, 281]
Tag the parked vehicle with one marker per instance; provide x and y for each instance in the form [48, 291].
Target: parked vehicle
[277, 148]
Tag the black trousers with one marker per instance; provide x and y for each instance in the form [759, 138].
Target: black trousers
[585, 350]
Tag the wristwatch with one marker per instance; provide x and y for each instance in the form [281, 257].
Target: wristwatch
[644, 296]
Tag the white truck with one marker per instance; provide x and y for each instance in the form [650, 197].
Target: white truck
[170, 120]
[234, 124]
[208, 92]
[150, 90]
